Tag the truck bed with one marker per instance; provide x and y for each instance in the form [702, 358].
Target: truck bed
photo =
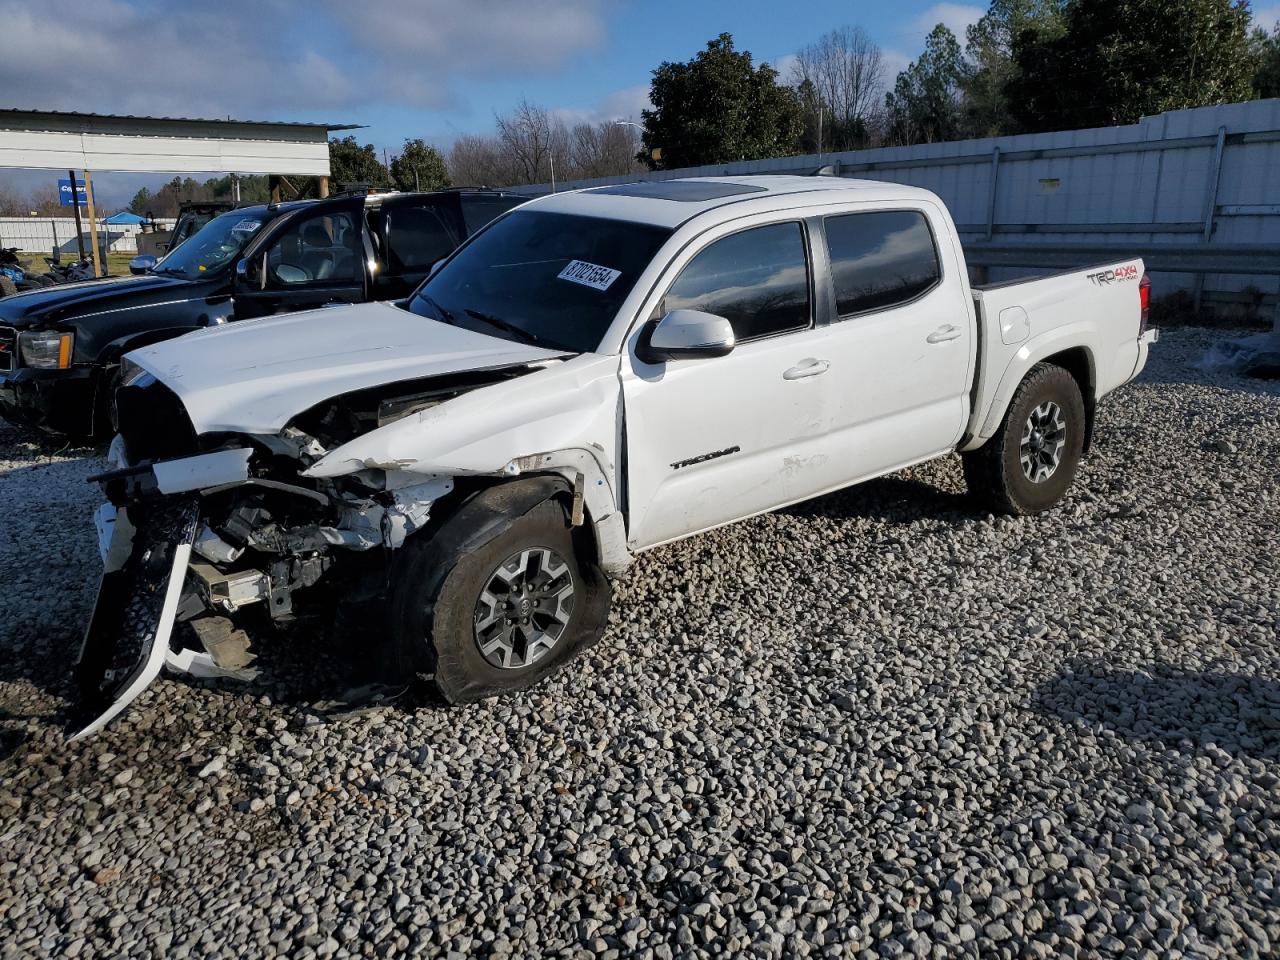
[1090, 319]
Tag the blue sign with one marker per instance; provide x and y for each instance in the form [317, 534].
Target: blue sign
[64, 193]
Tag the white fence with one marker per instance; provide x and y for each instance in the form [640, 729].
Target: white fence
[1204, 179]
[43, 234]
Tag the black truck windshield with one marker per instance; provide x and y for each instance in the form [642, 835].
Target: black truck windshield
[553, 279]
[211, 247]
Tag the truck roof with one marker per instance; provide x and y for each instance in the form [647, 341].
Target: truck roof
[669, 203]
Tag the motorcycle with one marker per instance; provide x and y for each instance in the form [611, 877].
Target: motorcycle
[14, 277]
[72, 272]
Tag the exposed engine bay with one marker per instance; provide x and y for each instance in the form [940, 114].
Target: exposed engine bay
[199, 527]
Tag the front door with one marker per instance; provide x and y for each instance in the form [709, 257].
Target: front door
[713, 440]
[312, 259]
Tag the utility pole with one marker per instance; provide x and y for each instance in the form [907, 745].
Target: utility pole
[93, 225]
[75, 205]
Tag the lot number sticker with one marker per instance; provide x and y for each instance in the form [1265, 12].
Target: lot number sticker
[589, 275]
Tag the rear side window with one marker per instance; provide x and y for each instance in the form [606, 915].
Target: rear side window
[419, 236]
[758, 280]
[880, 259]
[477, 211]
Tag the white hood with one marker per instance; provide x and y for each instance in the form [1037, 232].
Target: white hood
[253, 376]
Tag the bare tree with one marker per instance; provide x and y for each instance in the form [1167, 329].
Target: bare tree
[535, 142]
[479, 161]
[840, 80]
[604, 149]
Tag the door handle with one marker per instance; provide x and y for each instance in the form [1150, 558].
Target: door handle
[944, 333]
[806, 368]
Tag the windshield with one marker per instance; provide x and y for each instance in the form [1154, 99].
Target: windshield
[553, 279]
[211, 247]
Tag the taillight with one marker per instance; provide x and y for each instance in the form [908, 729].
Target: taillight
[1144, 299]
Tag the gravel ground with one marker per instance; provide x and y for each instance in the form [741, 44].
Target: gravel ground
[880, 723]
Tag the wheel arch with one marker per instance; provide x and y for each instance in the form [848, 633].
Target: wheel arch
[1078, 362]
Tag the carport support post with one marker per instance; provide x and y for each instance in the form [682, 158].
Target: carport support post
[93, 223]
[323, 188]
[273, 184]
[75, 205]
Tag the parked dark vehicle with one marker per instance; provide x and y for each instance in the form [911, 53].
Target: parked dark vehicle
[60, 348]
[191, 218]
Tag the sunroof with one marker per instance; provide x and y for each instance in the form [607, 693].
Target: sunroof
[687, 191]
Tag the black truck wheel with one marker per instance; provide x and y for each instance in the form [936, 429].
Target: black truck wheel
[497, 598]
[1030, 462]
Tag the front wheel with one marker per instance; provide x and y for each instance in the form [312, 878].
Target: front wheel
[496, 616]
[1027, 467]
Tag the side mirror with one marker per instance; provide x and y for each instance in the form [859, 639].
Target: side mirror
[248, 274]
[142, 263]
[685, 335]
[435, 267]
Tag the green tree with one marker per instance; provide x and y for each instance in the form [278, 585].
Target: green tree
[716, 108]
[925, 105]
[1266, 48]
[1119, 60]
[990, 62]
[142, 202]
[349, 162]
[419, 167]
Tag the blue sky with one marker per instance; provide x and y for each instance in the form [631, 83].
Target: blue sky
[404, 68]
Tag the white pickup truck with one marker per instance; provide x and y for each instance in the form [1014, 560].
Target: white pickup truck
[593, 374]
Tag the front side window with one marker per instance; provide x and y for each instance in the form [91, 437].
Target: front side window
[553, 279]
[758, 280]
[882, 259]
[419, 236]
[319, 249]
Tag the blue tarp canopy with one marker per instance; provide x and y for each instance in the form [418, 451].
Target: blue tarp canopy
[125, 217]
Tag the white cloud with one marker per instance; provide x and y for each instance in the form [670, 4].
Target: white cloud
[624, 104]
[957, 17]
[247, 57]
[785, 64]
[1267, 17]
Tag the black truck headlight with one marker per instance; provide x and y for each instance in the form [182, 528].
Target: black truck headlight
[46, 350]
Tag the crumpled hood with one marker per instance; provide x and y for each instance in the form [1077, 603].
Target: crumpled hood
[254, 376]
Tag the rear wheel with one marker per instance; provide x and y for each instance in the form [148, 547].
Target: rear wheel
[491, 617]
[1029, 464]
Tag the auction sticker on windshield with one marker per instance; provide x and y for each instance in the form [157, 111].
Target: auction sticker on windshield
[589, 274]
[246, 226]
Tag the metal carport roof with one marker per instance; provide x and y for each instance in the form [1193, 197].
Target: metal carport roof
[59, 140]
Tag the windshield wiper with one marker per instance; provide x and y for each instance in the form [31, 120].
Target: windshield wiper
[445, 315]
[505, 325]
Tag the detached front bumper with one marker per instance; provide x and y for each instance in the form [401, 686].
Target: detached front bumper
[60, 401]
[127, 641]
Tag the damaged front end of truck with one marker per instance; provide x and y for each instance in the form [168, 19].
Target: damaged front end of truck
[201, 525]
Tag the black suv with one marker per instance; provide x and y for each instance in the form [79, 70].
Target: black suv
[60, 347]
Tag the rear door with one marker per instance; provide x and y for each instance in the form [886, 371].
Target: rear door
[309, 259]
[901, 340]
[414, 233]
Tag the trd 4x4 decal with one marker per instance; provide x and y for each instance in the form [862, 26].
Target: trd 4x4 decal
[1113, 276]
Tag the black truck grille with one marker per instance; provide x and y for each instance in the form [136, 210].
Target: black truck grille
[154, 423]
[8, 348]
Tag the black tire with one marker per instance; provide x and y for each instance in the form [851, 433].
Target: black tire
[995, 473]
[437, 587]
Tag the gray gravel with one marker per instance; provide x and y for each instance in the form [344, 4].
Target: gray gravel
[881, 723]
